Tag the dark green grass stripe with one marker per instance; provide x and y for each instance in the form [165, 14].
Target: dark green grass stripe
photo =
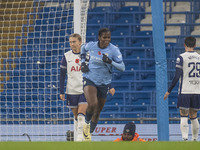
[99, 145]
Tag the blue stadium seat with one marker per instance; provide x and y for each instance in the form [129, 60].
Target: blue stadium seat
[91, 38]
[124, 20]
[93, 27]
[52, 15]
[51, 9]
[142, 44]
[37, 28]
[46, 9]
[92, 33]
[122, 85]
[124, 27]
[119, 41]
[99, 12]
[143, 33]
[101, 9]
[45, 21]
[133, 9]
[52, 20]
[170, 44]
[58, 14]
[120, 32]
[38, 22]
[139, 52]
[95, 21]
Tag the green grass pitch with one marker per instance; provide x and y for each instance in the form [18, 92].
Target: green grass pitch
[99, 145]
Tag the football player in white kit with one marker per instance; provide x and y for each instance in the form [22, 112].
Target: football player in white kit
[71, 65]
[188, 74]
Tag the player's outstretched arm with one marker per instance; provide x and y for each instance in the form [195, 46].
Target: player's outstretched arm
[119, 66]
[116, 60]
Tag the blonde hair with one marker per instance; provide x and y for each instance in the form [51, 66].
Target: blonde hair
[76, 35]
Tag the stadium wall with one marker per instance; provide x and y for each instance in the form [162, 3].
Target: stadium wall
[103, 132]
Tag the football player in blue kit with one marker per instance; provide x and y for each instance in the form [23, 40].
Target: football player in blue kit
[97, 76]
[188, 75]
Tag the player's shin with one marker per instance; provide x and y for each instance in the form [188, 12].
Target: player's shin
[195, 128]
[88, 117]
[92, 126]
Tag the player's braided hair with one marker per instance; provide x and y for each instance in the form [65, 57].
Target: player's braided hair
[103, 30]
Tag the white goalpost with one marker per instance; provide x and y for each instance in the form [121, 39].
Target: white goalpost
[34, 37]
[80, 17]
[80, 22]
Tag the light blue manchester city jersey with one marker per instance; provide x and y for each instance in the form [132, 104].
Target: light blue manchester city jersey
[100, 72]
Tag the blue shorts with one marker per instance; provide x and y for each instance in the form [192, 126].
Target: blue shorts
[102, 90]
[74, 100]
[189, 101]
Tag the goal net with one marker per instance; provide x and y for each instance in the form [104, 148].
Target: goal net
[34, 35]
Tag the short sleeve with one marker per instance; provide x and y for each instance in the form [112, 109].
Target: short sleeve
[63, 63]
[179, 62]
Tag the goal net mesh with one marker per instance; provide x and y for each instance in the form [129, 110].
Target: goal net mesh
[34, 35]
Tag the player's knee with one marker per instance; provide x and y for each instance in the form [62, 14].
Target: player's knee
[193, 114]
[184, 112]
[93, 104]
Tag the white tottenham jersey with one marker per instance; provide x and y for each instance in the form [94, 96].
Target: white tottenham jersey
[74, 74]
[189, 82]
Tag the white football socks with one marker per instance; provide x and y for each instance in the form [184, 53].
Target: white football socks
[195, 129]
[75, 129]
[184, 128]
[81, 122]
